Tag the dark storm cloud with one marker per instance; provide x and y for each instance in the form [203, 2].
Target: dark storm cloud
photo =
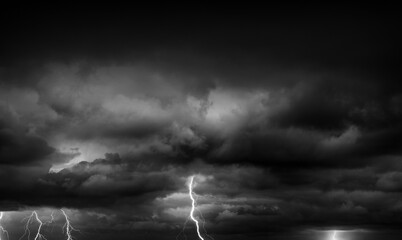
[288, 123]
[109, 176]
[20, 147]
[295, 148]
[20, 150]
[227, 126]
[109, 180]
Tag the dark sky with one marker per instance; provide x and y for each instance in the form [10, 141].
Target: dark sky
[288, 116]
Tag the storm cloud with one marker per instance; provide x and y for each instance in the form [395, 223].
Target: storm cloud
[289, 120]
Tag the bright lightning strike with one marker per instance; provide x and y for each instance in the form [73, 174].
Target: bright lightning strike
[3, 232]
[334, 236]
[33, 217]
[67, 226]
[190, 192]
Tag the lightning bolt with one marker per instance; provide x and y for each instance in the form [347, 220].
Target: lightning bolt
[334, 236]
[50, 221]
[203, 226]
[33, 217]
[182, 231]
[51, 218]
[190, 193]
[67, 226]
[3, 232]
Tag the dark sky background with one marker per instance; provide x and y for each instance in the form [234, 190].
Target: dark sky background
[289, 116]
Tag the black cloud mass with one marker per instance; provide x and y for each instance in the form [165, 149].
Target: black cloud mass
[288, 116]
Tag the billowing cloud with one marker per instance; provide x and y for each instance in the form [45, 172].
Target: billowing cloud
[286, 132]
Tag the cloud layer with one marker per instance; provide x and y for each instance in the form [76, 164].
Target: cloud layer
[299, 132]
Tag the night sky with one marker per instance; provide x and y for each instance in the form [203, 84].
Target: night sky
[289, 117]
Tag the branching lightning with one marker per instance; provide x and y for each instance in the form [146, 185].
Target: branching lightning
[203, 225]
[51, 219]
[33, 217]
[190, 192]
[182, 231]
[3, 232]
[67, 226]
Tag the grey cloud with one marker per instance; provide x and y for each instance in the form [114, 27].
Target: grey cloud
[390, 181]
[287, 125]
